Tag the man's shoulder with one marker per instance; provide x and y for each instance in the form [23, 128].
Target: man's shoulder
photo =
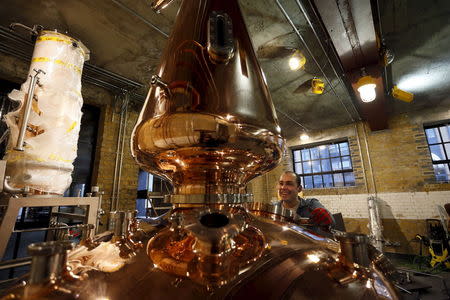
[310, 202]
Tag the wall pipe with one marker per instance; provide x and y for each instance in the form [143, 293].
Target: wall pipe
[121, 149]
[297, 32]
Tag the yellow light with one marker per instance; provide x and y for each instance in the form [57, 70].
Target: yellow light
[297, 61]
[313, 258]
[317, 86]
[401, 94]
[304, 137]
[366, 88]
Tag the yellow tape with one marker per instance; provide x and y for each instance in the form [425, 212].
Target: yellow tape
[57, 61]
[58, 158]
[72, 126]
[54, 39]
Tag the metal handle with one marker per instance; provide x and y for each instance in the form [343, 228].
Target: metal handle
[27, 110]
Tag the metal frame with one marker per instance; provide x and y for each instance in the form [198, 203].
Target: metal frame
[15, 204]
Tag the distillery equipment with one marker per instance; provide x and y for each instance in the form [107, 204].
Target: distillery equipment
[209, 126]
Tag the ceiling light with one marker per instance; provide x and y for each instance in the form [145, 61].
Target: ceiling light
[304, 137]
[366, 88]
[297, 61]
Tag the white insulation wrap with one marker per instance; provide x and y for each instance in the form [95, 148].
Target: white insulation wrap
[51, 137]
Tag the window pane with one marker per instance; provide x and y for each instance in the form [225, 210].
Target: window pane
[432, 135]
[326, 165]
[437, 152]
[298, 168]
[316, 166]
[338, 179]
[296, 155]
[447, 149]
[327, 180]
[444, 133]
[318, 181]
[349, 179]
[314, 153]
[442, 172]
[308, 183]
[324, 153]
[334, 150]
[305, 154]
[344, 148]
[307, 167]
[346, 162]
[336, 164]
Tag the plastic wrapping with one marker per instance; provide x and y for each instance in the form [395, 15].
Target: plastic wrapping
[51, 137]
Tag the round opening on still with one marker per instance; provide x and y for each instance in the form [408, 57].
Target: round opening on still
[214, 220]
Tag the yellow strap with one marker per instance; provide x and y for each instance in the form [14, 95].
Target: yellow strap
[54, 39]
[72, 126]
[57, 61]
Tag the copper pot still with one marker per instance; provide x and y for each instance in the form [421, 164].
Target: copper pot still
[208, 124]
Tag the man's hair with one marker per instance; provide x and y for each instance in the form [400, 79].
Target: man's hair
[297, 178]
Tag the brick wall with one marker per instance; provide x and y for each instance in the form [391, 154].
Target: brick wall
[395, 164]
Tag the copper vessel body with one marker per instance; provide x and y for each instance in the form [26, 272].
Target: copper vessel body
[208, 123]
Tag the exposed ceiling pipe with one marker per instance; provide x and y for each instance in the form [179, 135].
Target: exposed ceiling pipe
[129, 10]
[290, 118]
[297, 32]
[319, 40]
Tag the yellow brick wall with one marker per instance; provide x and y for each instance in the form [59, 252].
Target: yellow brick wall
[400, 162]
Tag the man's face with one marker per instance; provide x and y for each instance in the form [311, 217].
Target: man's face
[287, 187]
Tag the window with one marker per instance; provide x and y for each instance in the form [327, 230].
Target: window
[324, 166]
[438, 138]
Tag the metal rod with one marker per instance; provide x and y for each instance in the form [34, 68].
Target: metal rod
[124, 131]
[369, 160]
[305, 14]
[15, 264]
[116, 164]
[52, 228]
[363, 165]
[129, 10]
[297, 32]
[27, 109]
[287, 116]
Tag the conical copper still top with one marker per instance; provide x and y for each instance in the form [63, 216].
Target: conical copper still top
[208, 123]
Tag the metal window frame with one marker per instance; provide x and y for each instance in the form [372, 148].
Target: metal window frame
[447, 155]
[332, 172]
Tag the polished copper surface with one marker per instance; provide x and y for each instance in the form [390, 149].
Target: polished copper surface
[208, 123]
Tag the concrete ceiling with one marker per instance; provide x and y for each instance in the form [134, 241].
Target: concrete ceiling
[122, 41]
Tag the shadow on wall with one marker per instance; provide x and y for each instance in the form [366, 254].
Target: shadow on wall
[400, 231]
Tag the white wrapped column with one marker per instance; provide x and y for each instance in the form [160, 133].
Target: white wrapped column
[51, 137]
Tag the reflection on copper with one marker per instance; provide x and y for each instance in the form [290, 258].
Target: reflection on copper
[208, 123]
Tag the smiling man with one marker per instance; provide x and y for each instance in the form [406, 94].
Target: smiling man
[289, 186]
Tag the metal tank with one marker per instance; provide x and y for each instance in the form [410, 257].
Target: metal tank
[209, 126]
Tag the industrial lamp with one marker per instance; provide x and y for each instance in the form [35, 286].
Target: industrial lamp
[366, 88]
[297, 61]
[304, 137]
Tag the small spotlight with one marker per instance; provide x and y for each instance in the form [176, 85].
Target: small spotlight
[304, 137]
[366, 88]
[297, 61]
[401, 94]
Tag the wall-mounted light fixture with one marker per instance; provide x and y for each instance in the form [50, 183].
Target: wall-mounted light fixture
[297, 61]
[401, 94]
[366, 87]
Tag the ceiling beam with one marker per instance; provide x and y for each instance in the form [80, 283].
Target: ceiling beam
[350, 25]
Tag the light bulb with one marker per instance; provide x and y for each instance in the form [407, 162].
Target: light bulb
[367, 92]
[297, 61]
[304, 137]
[294, 63]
